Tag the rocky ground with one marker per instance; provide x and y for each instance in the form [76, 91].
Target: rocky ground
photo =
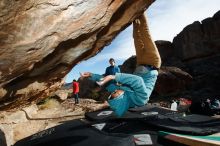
[35, 118]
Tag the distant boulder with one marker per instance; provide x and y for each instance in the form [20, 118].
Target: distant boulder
[171, 80]
[196, 50]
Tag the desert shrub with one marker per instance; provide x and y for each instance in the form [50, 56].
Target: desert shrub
[43, 101]
[48, 103]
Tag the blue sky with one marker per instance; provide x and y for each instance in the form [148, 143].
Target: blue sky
[166, 19]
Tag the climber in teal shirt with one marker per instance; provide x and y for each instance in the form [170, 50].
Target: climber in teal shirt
[133, 90]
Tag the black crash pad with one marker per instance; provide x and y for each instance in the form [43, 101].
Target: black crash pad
[132, 114]
[192, 124]
[143, 135]
[163, 119]
[76, 133]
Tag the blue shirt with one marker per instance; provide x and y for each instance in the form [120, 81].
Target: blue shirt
[112, 70]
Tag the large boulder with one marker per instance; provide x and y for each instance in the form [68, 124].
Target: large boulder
[198, 40]
[166, 50]
[42, 40]
[87, 88]
[196, 50]
[171, 80]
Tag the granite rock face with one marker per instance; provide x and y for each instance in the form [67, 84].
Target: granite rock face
[199, 39]
[42, 40]
[196, 50]
[170, 81]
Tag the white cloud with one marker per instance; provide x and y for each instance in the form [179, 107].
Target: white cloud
[168, 18]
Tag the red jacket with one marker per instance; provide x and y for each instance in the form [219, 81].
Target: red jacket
[75, 87]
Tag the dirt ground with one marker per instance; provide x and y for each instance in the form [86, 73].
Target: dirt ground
[35, 118]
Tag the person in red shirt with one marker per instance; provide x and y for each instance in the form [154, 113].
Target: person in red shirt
[76, 91]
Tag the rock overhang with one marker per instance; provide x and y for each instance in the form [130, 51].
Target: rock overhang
[41, 42]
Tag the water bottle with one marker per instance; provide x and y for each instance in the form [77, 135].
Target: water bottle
[174, 106]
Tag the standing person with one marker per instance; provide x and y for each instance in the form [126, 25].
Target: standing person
[112, 69]
[75, 91]
[136, 88]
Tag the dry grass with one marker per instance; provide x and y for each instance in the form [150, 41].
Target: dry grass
[49, 104]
